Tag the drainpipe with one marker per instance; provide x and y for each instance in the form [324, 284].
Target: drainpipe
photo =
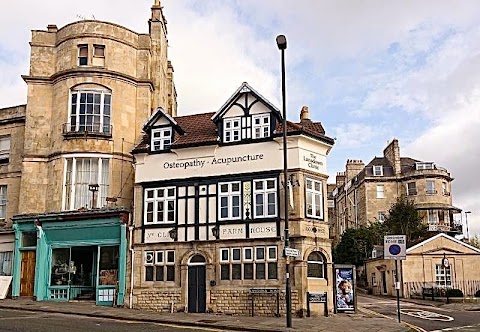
[132, 259]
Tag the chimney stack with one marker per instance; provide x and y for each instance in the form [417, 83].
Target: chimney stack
[304, 115]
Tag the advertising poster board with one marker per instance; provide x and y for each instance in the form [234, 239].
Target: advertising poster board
[4, 285]
[344, 288]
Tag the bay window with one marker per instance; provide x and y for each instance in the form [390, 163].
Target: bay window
[80, 172]
[90, 111]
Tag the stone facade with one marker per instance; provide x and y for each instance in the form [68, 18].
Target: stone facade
[131, 68]
[423, 268]
[361, 196]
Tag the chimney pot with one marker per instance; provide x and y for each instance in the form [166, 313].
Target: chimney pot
[52, 28]
[305, 115]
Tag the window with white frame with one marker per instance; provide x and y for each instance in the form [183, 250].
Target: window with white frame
[3, 202]
[4, 149]
[160, 205]
[443, 276]
[6, 260]
[90, 111]
[378, 170]
[316, 265]
[430, 185]
[265, 193]
[160, 265]
[314, 198]
[411, 188]
[83, 55]
[380, 191]
[80, 172]
[261, 126]
[98, 55]
[423, 165]
[432, 216]
[231, 130]
[382, 216]
[229, 200]
[161, 139]
[248, 263]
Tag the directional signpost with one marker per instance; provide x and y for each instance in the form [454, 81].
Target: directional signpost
[395, 247]
[290, 252]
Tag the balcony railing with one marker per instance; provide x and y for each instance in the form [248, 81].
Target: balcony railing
[411, 192]
[75, 130]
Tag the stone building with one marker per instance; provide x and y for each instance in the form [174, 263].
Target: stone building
[12, 131]
[424, 268]
[365, 193]
[209, 222]
[91, 87]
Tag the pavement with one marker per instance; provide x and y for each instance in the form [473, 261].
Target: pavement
[361, 321]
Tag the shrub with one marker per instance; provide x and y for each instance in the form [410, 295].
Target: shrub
[454, 292]
[477, 294]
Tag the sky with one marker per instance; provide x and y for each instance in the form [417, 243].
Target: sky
[370, 71]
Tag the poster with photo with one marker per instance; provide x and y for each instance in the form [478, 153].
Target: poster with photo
[344, 288]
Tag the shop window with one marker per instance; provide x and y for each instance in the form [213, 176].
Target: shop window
[231, 130]
[261, 126]
[108, 265]
[160, 205]
[90, 112]
[443, 276]
[265, 193]
[314, 198]
[258, 263]
[60, 266]
[3, 203]
[82, 55]
[6, 259]
[316, 265]
[161, 139]
[4, 149]
[80, 174]
[98, 55]
[160, 265]
[229, 200]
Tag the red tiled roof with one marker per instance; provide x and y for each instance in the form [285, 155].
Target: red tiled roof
[199, 129]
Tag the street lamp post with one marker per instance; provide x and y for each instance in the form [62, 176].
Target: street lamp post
[466, 223]
[282, 45]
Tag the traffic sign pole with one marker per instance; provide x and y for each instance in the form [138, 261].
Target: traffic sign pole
[397, 286]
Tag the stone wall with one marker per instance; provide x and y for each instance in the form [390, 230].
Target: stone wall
[159, 300]
[239, 302]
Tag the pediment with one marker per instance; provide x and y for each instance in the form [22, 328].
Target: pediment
[442, 243]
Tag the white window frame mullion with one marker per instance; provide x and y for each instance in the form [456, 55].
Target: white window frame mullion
[99, 180]
[73, 185]
[102, 96]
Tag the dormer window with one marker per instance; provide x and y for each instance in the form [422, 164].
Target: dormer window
[420, 166]
[378, 170]
[231, 130]
[161, 139]
[261, 126]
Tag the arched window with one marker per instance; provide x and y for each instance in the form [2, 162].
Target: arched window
[197, 259]
[316, 265]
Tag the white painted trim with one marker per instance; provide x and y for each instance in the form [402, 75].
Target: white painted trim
[445, 236]
[87, 155]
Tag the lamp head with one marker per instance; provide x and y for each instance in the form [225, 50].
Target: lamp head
[281, 42]
[468, 212]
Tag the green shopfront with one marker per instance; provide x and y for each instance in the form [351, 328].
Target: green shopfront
[76, 255]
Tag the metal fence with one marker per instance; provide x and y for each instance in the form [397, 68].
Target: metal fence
[468, 287]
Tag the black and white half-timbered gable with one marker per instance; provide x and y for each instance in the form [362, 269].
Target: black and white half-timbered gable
[208, 206]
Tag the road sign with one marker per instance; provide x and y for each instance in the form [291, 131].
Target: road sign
[394, 247]
[292, 252]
